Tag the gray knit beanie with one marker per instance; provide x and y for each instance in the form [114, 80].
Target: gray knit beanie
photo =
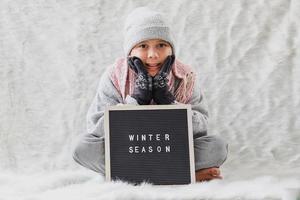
[145, 24]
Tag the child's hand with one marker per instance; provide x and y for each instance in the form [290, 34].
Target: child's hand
[143, 84]
[161, 93]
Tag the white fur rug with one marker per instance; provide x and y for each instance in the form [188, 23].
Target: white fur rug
[89, 186]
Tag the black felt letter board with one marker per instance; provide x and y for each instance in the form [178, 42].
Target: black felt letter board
[149, 145]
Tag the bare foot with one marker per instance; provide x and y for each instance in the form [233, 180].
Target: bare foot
[208, 174]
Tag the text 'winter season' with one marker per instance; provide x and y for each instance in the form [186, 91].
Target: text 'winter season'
[153, 139]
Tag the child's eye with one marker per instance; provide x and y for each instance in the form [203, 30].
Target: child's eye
[162, 45]
[143, 46]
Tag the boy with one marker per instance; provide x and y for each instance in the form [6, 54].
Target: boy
[150, 74]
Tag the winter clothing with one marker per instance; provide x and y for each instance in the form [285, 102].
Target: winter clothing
[161, 93]
[143, 84]
[143, 92]
[116, 86]
[144, 24]
[181, 80]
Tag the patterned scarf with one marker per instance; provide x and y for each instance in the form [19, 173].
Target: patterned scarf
[123, 78]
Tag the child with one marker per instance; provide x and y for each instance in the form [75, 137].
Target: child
[150, 74]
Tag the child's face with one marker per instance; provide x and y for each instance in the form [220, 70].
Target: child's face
[153, 53]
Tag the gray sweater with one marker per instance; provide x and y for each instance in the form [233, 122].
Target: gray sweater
[210, 151]
[108, 95]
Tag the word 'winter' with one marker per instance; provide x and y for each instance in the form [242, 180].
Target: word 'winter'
[149, 137]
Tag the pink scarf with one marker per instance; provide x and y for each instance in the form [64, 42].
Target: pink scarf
[123, 78]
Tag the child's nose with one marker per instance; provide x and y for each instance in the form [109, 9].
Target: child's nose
[152, 53]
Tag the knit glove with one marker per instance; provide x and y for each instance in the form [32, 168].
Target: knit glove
[161, 93]
[143, 84]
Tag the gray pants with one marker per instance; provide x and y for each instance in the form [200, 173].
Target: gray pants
[210, 151]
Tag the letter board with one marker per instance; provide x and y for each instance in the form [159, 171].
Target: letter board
[151, 143]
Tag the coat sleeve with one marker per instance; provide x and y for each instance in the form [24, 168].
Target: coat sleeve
[89, 151]
[106, 95]
[199, 111]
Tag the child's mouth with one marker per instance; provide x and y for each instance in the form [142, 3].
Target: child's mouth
[153, 65]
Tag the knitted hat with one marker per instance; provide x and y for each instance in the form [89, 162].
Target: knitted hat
[145, 24]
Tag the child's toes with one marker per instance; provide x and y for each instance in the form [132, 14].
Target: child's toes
[215, 172]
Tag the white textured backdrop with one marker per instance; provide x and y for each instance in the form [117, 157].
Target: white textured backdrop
[52, 54]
